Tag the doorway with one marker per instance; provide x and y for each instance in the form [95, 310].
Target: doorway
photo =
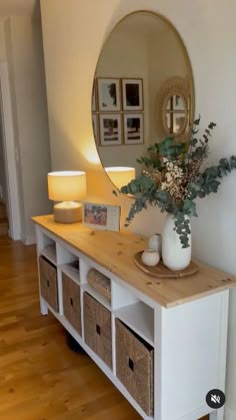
[10, 156]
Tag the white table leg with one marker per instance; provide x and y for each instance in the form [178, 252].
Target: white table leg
[43, 306]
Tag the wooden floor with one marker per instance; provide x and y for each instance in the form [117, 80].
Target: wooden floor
[40, 378]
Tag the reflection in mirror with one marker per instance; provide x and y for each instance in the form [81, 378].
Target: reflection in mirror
[176, 115]
[120, 175]
[175, 122]
[142, 53]
[175, 103]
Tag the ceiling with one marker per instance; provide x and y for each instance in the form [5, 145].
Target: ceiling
[19, 7]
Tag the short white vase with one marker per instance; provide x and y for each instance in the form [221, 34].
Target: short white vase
[173, 255]
[154, 242]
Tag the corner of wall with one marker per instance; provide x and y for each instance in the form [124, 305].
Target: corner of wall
[230, 414]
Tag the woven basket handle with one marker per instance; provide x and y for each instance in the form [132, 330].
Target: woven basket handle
[98, 329]
[131, 364]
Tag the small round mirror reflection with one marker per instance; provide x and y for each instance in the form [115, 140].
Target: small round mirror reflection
[142, 53]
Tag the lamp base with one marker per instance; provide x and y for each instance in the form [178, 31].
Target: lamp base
[67, 212]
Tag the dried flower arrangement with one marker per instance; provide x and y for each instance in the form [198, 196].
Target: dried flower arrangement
[174, 176]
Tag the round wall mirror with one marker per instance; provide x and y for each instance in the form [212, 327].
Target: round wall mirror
[143, 90]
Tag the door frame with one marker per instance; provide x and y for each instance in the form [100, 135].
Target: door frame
[11, 154]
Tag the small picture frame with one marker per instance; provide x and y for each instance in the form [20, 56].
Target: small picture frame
[110, 129]
[109, 97]
[133, 129]
[95, 128]
[132, 94]
[101, 216]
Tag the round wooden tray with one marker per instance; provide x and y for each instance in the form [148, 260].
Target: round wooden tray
[161, 271]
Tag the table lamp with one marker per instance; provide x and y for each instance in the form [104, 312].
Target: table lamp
[67, 186]
[120, 175]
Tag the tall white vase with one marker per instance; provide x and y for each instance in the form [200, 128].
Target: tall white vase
[173, 255]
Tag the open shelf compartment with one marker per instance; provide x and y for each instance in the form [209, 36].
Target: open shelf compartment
[50, 253]
[72, 270]
[140, 318]
[93, 279]
[47, 246]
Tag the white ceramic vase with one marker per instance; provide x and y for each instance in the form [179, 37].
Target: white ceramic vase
[173, 255]
[154, 242]
[150, 257]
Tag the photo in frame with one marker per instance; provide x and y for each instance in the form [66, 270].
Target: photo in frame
[132, 94]
[110, 129]
[133, 129]
[101, 216]
[109, 95]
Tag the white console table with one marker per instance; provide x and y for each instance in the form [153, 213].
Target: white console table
[184, 320]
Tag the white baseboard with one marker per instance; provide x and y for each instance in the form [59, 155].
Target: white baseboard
[229, 414]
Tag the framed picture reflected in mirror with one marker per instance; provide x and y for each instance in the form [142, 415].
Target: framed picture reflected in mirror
[109, 95]
[110, 129]
[133, 128]
[132, 94]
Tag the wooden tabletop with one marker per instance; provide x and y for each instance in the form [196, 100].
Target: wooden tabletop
[115, 251]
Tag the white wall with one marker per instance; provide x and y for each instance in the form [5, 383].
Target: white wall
[2, 41]
[73, 36]
[25, 59]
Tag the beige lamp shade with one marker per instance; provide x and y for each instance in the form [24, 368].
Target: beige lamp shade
[66, 185]
[120, 175]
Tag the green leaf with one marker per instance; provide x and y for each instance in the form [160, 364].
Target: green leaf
[193, 141]
[232, 162]
[201, 194]
[211, 173]
[211, 125]
[197, 121]
[189, 207]
[124, 190]
[214, 186]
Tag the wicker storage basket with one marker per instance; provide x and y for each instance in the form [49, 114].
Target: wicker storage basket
[48, 282]
[71, 302]
[100, 283]
[97, 328]
[134, 366]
